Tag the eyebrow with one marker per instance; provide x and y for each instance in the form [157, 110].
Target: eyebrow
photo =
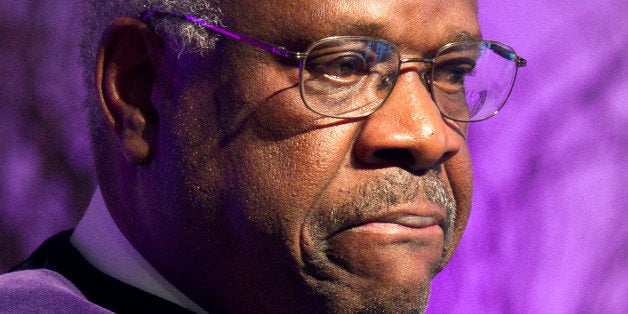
[362, 29]
[299, 40]
[370, 29]
[464, 36]
[379, 30]
[454, 36]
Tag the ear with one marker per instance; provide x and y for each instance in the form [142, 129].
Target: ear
[126, 63]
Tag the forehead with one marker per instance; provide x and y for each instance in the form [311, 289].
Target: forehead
[297, 23]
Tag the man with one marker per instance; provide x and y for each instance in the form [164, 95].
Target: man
[241, 176]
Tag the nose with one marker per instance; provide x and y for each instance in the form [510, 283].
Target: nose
[408, 131]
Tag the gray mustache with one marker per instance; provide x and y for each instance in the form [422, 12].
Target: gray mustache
[390, 190]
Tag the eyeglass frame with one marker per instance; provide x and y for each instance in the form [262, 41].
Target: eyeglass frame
[508, 54]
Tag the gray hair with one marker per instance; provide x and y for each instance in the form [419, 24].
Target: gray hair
[186, 37]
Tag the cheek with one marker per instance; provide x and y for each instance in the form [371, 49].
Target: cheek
[460, 176]
[280, 179]
[280, 155]
[273, 186]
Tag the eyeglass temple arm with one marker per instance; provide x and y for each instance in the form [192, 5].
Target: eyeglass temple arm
[506, 54]
[251, 41]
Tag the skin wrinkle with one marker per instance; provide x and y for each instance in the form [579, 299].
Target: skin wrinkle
[247, 184]
[389, 191]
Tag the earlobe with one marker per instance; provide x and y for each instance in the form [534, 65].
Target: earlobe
[124, 80]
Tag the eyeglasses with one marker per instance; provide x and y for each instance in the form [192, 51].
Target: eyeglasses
[352, 76]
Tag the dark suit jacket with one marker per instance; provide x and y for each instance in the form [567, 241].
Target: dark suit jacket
[58, 254]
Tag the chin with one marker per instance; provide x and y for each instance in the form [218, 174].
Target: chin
[396, 287]
[373, 298]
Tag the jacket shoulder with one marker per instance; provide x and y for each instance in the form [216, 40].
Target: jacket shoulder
[42, 290]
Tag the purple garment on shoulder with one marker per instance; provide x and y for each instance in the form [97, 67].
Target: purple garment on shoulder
[42, 290]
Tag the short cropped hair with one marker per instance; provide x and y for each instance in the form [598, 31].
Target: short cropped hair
[186, 37]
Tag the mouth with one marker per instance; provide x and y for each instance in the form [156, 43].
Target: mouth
[403, 230]
[405, 224]
[408, 239]
[387, 236]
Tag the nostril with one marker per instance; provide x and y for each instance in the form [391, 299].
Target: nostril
[394, 156]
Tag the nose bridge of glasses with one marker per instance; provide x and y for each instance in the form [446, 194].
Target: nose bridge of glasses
[421, 60]
[424, 74]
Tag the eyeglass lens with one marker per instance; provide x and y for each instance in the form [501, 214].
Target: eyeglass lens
[350, 77]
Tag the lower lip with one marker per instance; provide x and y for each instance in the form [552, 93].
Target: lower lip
[389, 251]
[394, 229]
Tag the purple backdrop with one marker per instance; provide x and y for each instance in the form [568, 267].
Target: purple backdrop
[548, 231]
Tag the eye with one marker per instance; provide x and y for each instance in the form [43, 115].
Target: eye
[456, 76]
[452, 74]
[341, 68]
[386, 82]
[348, 66]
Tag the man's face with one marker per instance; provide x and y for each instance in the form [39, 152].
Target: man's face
[275, 207]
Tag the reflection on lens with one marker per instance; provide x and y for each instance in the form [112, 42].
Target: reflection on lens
[471, 81]
[350, 77]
